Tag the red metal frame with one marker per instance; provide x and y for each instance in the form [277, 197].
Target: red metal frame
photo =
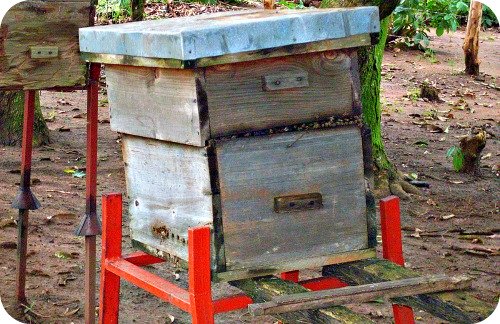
[392, 248]
[197, 300]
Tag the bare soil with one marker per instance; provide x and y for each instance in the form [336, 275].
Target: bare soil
[435, 225]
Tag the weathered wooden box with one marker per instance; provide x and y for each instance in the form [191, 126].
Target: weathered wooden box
[257, 135]
[39, 44]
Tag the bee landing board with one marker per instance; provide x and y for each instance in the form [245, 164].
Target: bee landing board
[231, 135]
[39, 44]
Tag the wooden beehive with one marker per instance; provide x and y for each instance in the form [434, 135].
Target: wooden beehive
[39, 44]
[226, 125]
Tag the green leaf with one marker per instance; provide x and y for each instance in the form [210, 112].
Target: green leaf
[69, 171]
[451, 151]
[458, 161]
[440, 31]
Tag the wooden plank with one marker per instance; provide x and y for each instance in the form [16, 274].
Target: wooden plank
[263, 289]
[42, 23]
[289, 265]
[456, 307]
[314, 47]
[155, 103]
[359, 294]
[238, 103]
[169, 191]
[253, 171]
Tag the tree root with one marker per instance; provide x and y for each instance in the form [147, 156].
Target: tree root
[392, 181]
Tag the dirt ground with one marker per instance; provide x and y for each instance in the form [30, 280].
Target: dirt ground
[452, 228]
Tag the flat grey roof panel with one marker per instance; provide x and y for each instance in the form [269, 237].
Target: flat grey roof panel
[195, 37]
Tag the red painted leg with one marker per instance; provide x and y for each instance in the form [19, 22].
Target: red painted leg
[292, 276]
[200, 284]
[109, 297]
[392, 247]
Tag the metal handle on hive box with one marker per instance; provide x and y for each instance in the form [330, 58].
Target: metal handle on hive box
[288, 204]
[286, 80]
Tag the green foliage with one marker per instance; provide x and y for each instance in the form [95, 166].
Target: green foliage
[291, 4]
[457, 156]
[489, 19]
[413, 19]
[116, 10]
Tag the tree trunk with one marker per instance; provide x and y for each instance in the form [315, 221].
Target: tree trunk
[11, 120]
[387, 178]
[137, 10]
[471, 42]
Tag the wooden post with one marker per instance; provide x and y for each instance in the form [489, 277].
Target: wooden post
[471, 42]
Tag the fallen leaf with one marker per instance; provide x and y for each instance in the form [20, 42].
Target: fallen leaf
[431, 202]
[63, 216]
[487, 156]
[447, 216]
[64, 280]
[79, 116]
[66, 255]
[443, 119]
[7, 223]
[434, 128]
[38, 273]
[171, 318]
[417, 233]
[456, 182]
[447, 130]
[63, 102]
[8, 245]
[69, 312]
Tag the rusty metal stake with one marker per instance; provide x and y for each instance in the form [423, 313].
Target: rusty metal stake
[25, 200]
[90, 225]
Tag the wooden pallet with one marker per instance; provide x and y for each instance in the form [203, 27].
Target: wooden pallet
[458, 306]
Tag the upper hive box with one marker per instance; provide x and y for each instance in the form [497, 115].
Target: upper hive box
[187, 80]
[248, 122]
[39, 44]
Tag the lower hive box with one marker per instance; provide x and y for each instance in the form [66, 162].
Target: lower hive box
[276, 202]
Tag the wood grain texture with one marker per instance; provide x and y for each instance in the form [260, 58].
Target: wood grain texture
[238, 103]
[155, 103]
[455, 307]
[320, 46]
[42, 23]
[360, 294]
[169, 191]
[263, 289]
[253, 171]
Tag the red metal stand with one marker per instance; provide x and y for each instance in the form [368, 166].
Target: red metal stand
[26, 201]
[197, 300]
[392, 248]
